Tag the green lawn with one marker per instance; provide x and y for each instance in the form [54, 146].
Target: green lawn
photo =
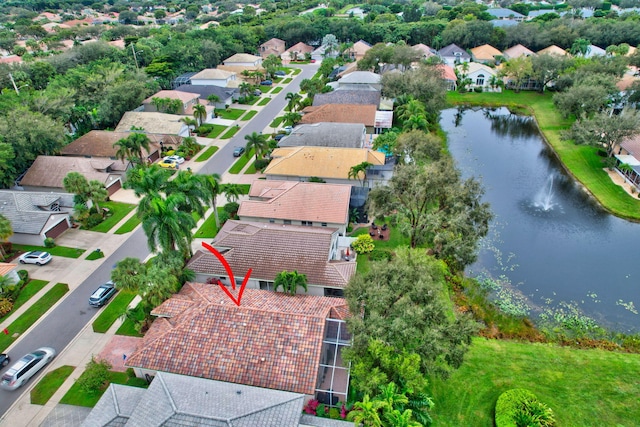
[129, 225]
[582, 161]
[264, 101]
[395, 240]
[288, 80]
[206, 155]
[208, 228]
[251, 101]
[78, 397]
[276, 122]
[249, 115]
[251, 169]
[241, 162]
[128, 329]
[230, 113]
[30, 289]
[232, 131]
[32, 314]
[49, 384]
[279, 88]
[297, 71]
[217, 130]
[112, 311]
[118, 212]
[62, 251]
[95, 255]
[583, 387]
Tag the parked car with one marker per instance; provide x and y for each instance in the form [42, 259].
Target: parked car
[280, 73]
[178, 159]
[257, 92]
[168, 164]
[266, 83]
[26, 367]
[279, 136]
[4, 359]
[102, 295]
[35, 257]
[238, 151]
[288, 129]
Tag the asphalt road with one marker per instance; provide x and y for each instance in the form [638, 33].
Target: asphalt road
[61, 325]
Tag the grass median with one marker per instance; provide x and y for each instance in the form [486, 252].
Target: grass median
[249, 115]
[129, 225]
[49, 384]
[112, 311]
[241, 162]
[229, 134]
[32, 314]
[206, 155]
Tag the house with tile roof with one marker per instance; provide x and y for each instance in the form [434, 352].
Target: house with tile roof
[153, 123]
[453, 54]
[271, 340]
[516, 52]
[480, 75]
[425, 51]
[9, 270]
[243, 60]
[341, 113]
[214, 77]
[328, 163]
[485, 54]
[296, 52]
[314, 251]
[226, 95]
[345, 135]
[357, 51]
[553, 50]
[187, 100]
[34, 216]
[272, 46]
[173, 399]
[348, 96]
[298, 203]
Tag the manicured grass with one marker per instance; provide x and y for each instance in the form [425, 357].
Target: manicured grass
[129, 225]
[396, 239]
[208, 228]
[278, 89]
[241, 162]
[251, 101]
[582, 161]
[78, 397]
[287, 80]
[266, 89]
[128, 329]
[230, 113]
[276, 122]
[249, 115]
[30, 289]
[62, 251]
[229, 134]
[251, 169]
[297, 71]
[118, 212]
[206, 155]
[217, 130]
[95, 255]
[32, 314]
[582, 387]
[264, 101]
[49, 384]
[112, 311]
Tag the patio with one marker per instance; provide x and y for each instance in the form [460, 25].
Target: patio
[379, 232]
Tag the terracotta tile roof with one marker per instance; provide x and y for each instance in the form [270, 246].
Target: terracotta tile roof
[322, 162]
[99, 143]
[341, 113]
[632, 146]
[553, 50]
[212, 74]
[300, 48]
[302, 201]
[447, 72]
[6, 268]
[485, 52]
[425, 50]
[50, 171]
[171, 94]
[272, 340]
[517, 51]
[241, 57]
[626, 81]
[151, 122]
[10, 59]
[290, 247]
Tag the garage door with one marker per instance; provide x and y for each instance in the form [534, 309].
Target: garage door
[58, 229]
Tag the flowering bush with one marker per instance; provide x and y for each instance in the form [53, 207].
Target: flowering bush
[314, 407]
[363, 244]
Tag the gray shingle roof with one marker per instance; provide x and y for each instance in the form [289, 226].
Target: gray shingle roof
[115, 406]
[25, 209]
[452, 49]
[205, 90]
[346, 135]
[346, 96]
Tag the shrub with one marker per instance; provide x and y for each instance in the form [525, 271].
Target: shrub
[223, 217]
[380, 255]
[131, 373]
[477, 89]
[49, 243]
[93, 220]
[262, 163]
[334, 414]
[95, 376]
[5, 306]
[311, 406]
[520, 407]
[231, 208]
[23, 275]
[363, 244]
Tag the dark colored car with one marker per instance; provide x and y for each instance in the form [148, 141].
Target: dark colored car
[279, 136]
[237, 152]
[280, 73]
[102, 295]
[4, 359]
[266, 83]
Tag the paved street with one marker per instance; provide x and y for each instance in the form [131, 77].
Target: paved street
[69, 316]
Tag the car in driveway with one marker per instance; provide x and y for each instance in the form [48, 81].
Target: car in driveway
[102, 295]
[288, 129]
[35, 257]
[279, 136]
[178, 159]
[26, 367]
[280, 73]
[168, 164]
[257, 92]
[266, 83]
[238, 151]
[4, 359]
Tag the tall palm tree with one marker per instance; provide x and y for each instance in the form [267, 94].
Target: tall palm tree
[97, 193]
[258, 142]
[232, 191]
[412, 107]
[166, 226]
[6, 231]
[290, 281]
[147, 183]
[291, 118]
[359, 170]
[191, 123]
[293, 101]
[212, 188]
[416, 122]
[132, 146]
[244, 88]
[188, 184]
[199, 113]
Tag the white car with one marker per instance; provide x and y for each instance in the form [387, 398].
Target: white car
[179, 160]
[26, 367]
[35, 257]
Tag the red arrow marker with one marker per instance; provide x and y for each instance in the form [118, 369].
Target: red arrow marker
[227, 268]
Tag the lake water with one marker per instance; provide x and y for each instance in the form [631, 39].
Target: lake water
[549, 241]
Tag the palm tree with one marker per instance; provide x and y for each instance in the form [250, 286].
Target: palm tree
[199, 113]
[359, 170]
[159, 286]
[401, 419]
[293, 101]
[291, 118]
[232, 191]
[416, 122]
[129, 274]
[188, 185]
[290, 281]
[191, 123]
[147, 183]
[97, 193]
[132, 146]
[412, 107]
[258, 142]
[6, 231]
[166, 226]
[212, 188]
[244, 88]
[5, 283]
[366, 412]
[213, 99]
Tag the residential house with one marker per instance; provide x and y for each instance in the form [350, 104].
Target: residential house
[11, 270]
[328, 163]
[516, 52]
[485, 54]
[628, 154]
[188, 100]
[215, 77]
[296, 52]
[553, 50]
[298, 203]
[425, 51]
[101, 144]
[226, 95]
[321, 52]
[480, 75]
[345, 135]
[34, 216]
[593, 51]
[348, 96]
[453, 54]
[360, 80]
[173, 399]
[273, 46]
[357, 51]
[48, 172]
[243, 60]
[341, 113]
[506, 14]
[271, 340]
[169, 124]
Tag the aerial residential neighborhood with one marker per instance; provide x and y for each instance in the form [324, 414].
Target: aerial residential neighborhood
[285, 214]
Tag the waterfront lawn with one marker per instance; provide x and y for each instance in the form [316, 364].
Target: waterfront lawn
[582, 161]
[583, 387]
[49, 384]
[396, 239]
